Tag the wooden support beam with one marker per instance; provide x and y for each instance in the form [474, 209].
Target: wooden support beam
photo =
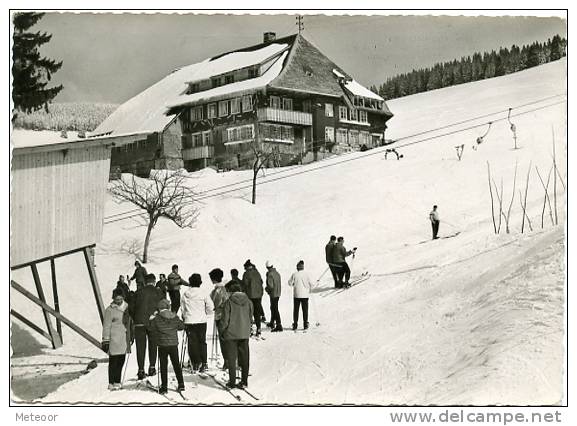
[56, 343]
[94, 282]
[47, 308]
[55, 296]
[44, 259]
[30, 324]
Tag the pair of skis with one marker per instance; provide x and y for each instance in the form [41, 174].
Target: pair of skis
[148, 384]
[233, 391]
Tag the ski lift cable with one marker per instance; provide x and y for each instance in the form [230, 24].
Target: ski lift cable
[285, 170]
[374, 152]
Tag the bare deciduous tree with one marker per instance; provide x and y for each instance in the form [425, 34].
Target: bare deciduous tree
[261, 158]
[164, 194]
[546, 199]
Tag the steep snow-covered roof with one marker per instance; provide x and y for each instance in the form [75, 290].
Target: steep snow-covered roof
[234, 61]
[147, 111]
[359, 90]
[233, 88]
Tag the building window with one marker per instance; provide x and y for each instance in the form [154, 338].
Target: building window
[342, 136]
[211, 111]
[287, 104]
[228, 79]
[277, 133]
[197, 113]
[329, 110]
[223, 108]
[235, 106]
[275, 102]
[364, 138]
[193, 88]
[186, 142]
[252, 72]
[196, 140]
[363, 117]
[216, 81]
[353, 137]
[353, 116]
[307, 105]
[240, 133]
[207, 138]
[329, 134]
[246, 103]
[342, 113]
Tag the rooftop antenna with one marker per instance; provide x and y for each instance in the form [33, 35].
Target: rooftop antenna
[300, 23]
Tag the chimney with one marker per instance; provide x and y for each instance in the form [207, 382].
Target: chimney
[269, 36]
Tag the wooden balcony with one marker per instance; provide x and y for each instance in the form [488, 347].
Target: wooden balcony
[197, 153]
[285, 116]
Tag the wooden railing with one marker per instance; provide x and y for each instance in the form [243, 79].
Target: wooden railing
[285, 116]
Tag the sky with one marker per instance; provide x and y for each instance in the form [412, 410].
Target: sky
[110, 57]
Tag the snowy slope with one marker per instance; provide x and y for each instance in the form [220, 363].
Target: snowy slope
[474, 319]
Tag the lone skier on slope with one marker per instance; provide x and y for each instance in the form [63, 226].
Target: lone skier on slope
[435, 221]
[339, 255]
[273, 288]
[302, 285]
[329, 255]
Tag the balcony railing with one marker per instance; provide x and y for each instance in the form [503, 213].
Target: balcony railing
[285, 116]
[198, 152]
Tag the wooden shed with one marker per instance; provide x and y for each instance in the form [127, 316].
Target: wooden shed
[56, 209]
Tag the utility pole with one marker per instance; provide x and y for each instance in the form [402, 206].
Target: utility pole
[300, 23]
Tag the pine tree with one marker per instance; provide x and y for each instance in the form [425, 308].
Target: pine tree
[31, 72]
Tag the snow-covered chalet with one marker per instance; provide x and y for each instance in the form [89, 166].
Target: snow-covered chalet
[282, 95]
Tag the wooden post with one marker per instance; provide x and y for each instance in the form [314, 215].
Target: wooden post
[55, 295]
[55, 339]
[49, 310]
[94, 282]
[30, 324]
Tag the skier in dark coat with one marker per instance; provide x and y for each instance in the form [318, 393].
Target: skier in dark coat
[235, 329]
[123, 287]
[144, 304]
[219, 295]
[435, 222]
[234, 279]
[329, 256]
[340, 253]
[273, 288]
[174, 283]
[162, 285]
[253, 288]
[139, 275]
[164, 326]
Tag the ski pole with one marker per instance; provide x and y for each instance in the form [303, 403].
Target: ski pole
[125, 365]
[323, 274]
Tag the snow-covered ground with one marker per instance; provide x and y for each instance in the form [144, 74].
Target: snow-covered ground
[474, 319]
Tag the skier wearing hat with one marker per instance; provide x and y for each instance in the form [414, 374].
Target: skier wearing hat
[196, 305]
[144, 304]
[117, 337]
[302, 285]
[273, 288]
[253, 287]
[164, 325]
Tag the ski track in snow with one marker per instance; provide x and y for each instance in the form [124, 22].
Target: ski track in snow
[474, 319]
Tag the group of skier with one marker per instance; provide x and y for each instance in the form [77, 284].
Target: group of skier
[153, 314]
[336, 253]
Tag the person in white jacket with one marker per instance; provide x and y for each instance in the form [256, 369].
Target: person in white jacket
[196, 305]
[302, 285]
